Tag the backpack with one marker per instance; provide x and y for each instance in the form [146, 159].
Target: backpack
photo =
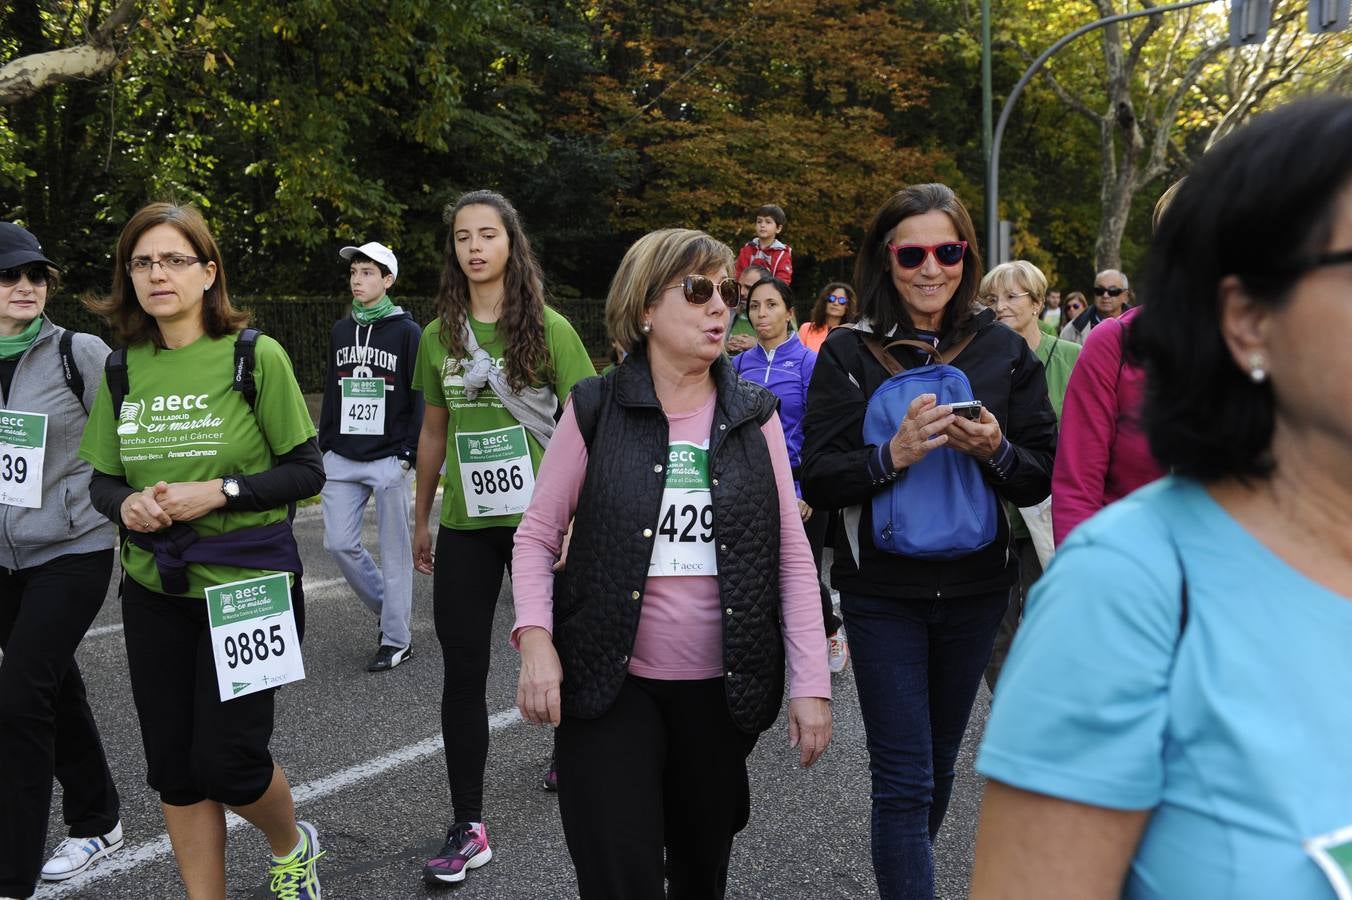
[69, 370]
[115, 370]
[941, 508]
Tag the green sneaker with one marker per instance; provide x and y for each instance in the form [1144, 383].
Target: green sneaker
[297, 877]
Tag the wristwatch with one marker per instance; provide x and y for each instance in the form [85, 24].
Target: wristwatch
[230, 487]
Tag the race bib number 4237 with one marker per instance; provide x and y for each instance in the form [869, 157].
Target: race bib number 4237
[495, 471]
[253, 635]
[362, 410]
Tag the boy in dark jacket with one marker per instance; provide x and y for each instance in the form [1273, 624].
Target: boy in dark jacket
[368, 430]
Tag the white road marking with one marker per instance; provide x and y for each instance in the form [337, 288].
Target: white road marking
[133, 857]
[311, 589]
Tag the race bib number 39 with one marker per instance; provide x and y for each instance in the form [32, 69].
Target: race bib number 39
[685, 529]
[495, 471]
[253, 635]
[23, 440]
[363, 406]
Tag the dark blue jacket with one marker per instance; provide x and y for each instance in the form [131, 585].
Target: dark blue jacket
[389, 351]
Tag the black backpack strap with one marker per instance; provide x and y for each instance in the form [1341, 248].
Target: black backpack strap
[586, 396]
[69, 370]
[245, 345]
[115, 372]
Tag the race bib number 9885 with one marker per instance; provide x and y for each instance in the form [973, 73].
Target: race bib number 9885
[253, 635]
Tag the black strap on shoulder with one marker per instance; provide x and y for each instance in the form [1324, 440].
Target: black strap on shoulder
[245, 346]
[115, 372]
[69, 370]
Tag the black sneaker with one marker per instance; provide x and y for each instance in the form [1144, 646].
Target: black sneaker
[388, 657]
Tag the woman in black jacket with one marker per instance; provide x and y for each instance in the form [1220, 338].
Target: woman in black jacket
[921, 629]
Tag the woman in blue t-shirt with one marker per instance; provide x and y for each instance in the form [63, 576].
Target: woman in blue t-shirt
[1173, 721]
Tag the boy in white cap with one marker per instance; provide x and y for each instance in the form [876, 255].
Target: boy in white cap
[368, 430]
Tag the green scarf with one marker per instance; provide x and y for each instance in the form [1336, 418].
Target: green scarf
[18, 345]
[365, 315]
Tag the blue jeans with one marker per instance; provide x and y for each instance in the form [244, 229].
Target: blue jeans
[917, 666]
[387, 591]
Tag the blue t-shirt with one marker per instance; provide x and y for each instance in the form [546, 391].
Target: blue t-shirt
[1236, 730]
[785, 371]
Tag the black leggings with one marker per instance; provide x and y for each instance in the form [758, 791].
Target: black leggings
[465, 587]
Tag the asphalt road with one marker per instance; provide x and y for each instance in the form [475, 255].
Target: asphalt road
[363, 754]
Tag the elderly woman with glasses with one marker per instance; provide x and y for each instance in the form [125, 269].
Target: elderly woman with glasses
[659, 649]
[921, 626]
[1181, 729]
[55, 558]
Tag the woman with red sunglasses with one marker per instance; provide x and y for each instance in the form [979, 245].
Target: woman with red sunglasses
[660, 650]
[921, 629]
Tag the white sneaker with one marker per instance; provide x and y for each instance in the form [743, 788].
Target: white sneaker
[837, 651]
[74, 855]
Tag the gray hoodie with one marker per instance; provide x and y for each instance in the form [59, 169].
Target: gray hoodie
[66, 522]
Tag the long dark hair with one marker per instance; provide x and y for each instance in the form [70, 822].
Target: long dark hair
[122, 310]
[526, 359]
[818, 316]
[1260, 205]
[878, 299]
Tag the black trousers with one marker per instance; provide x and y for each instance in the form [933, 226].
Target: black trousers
[46, 727]
[465, 588]
[664, 769]
[197, 746]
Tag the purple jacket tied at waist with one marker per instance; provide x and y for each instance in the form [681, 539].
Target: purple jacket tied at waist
[272, 547]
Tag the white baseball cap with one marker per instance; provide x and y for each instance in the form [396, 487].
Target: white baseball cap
[379, 252]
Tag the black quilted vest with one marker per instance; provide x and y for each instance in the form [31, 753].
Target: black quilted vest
[598, 601]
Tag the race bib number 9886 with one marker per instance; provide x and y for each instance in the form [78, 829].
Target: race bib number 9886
[495, 471]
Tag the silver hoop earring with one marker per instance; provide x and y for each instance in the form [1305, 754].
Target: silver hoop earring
[1257, 372]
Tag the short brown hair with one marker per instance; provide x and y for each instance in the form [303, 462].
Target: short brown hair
[654, 262]
[122, 310]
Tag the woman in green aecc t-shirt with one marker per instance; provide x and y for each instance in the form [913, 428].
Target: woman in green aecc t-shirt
[200, 476]
[495, 369]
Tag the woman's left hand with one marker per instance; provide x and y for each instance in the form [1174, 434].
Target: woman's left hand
[188, 500]
[980, 439]
[809, 728]
[804, 510]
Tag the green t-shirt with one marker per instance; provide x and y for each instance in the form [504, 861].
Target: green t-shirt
[1058, 358]
[182, 421]
[484, 421]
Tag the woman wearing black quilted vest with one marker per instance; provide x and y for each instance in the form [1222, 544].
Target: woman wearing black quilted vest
[660, 650]
[921, 627]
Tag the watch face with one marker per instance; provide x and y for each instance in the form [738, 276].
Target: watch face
[230, 487]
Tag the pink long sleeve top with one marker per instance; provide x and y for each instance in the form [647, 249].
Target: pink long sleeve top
[680, 628]
[1102, 454]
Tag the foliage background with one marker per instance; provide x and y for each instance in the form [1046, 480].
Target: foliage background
[303, 126]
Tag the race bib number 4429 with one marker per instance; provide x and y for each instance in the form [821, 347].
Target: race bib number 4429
[685, 529]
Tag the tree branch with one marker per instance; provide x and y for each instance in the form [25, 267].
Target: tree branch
[30, 75]
[1062, 93]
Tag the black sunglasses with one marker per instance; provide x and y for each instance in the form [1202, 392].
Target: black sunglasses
[1111, 292]
[699, 289]
[37, 274]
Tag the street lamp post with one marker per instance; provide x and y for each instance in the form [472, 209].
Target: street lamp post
[993, 163]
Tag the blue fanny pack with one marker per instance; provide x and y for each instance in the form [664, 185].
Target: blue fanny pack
[941, 507]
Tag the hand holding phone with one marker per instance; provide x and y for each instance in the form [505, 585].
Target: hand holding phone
[968, 409]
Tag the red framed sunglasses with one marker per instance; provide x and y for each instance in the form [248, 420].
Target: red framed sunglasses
[912, 256]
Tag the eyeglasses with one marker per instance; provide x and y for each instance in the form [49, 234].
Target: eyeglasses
[699, 289]
[37, 275]
[837, 298]
[912, 256]
[993, 299]
[1111, 292]
[174, 262]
